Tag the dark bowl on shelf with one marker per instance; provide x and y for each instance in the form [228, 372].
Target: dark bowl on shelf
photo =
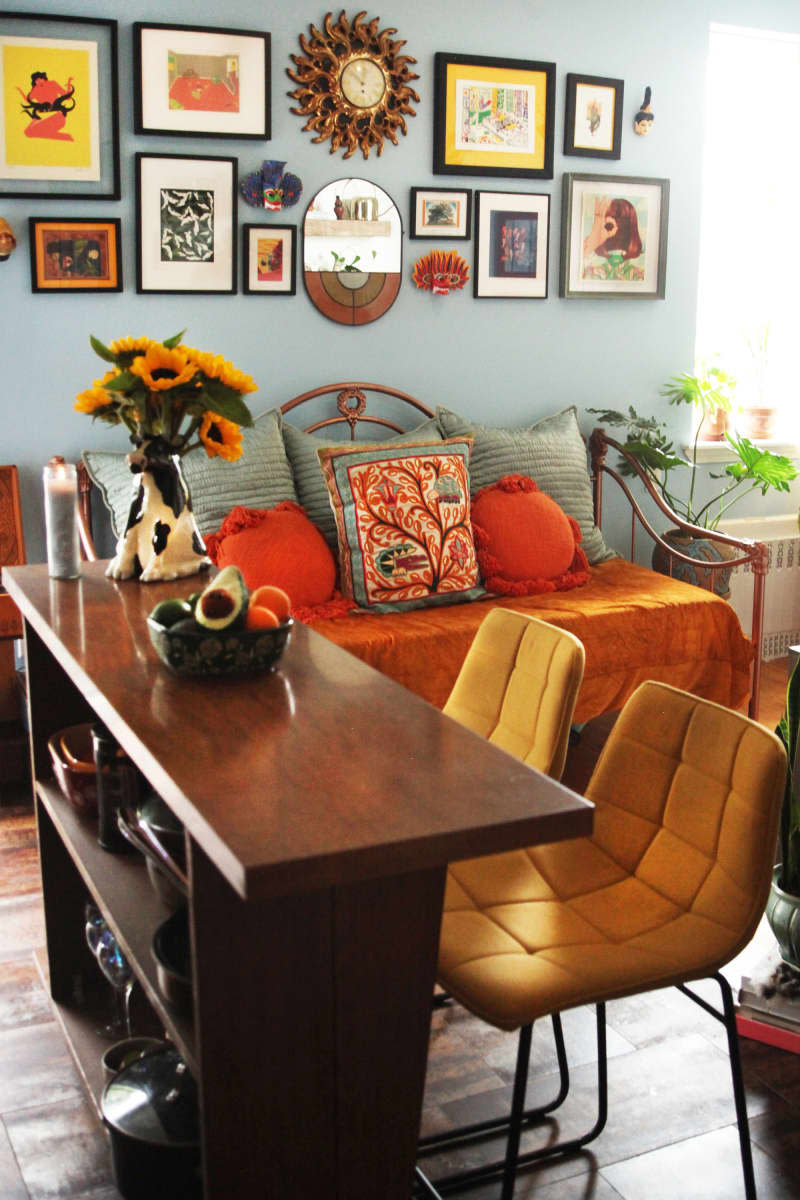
[73, 766]
[211, 652]
[173, 960]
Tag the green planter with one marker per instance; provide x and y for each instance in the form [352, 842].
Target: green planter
[783, 915]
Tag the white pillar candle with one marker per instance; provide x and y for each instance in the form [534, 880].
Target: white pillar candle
[61, 519]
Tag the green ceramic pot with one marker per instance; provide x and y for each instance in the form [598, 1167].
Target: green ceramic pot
[783, 915]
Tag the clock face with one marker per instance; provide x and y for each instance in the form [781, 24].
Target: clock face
[363, 83]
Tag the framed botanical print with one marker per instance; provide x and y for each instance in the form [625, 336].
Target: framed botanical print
[185, 223]
[593, 121]
[440, 213]
[493, 116]
[270, 257]
[512, 234]
[614, 237]
[196, 81]
[77, 254]
[59, 116]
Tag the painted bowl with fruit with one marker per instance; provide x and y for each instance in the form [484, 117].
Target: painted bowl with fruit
[223, 630]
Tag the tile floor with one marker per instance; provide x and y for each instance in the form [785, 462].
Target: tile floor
[670, 1133]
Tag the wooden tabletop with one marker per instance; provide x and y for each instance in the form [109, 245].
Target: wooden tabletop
[322, 772]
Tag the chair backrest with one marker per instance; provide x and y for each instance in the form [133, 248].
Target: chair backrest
[12, 547]
[517, 687]
[688, 798]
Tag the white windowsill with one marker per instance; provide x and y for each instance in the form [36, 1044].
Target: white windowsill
[716, 452]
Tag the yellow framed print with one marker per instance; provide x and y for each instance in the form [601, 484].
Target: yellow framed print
[493, 116]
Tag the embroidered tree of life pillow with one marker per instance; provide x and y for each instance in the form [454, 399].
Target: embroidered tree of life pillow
[402, 520]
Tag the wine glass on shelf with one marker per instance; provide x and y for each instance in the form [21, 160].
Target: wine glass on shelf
[115, 967]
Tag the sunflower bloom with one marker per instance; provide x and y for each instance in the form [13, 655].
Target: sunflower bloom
[221, 438]
[94, 398]
[161, 369]
[214, 366]
[131, 345]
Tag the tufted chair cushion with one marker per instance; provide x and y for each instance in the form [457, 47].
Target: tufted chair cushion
[669, 887]
[517, 687]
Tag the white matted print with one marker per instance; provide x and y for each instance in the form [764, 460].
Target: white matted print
[594, 117]
[511, 245]
[440, 212]
[269, 260]
[614, 236]
[206, 82]
[186, 230]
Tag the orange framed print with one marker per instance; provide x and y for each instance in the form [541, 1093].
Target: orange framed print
[493, 116]
[77, 254]
[59, 118]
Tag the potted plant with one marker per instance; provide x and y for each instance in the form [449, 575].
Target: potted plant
[675, 476]
[783, 906]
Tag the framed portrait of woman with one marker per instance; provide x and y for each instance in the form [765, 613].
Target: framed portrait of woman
[614, 237]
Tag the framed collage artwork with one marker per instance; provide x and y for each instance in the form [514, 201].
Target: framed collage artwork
[614, 237]
[75, 254]
[185, 223]
[593, 120]
[270, 260]
[511, 245]
[201, 82]
[440, 213]
[59, 124]
[493, 116]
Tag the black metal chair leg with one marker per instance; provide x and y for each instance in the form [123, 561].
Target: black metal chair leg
[517, 1111]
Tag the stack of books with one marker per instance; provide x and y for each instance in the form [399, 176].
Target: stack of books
[768, 1008]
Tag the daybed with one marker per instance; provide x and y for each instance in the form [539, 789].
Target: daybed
[635, 624]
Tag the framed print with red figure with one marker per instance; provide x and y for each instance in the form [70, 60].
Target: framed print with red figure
[59, 116]
[270, 257]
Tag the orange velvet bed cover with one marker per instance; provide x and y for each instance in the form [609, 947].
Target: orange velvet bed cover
[634, 623]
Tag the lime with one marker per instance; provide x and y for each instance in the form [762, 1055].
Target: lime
[167, 612]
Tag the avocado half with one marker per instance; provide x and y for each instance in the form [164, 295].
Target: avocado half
[223, 601]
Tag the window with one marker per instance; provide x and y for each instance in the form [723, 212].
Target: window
[749, 285]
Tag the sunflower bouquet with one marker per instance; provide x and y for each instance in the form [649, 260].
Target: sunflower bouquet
[188, 397]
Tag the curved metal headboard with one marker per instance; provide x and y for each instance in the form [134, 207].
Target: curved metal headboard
[351, 405]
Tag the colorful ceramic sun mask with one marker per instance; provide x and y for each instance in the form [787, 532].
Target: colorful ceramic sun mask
[440, 272]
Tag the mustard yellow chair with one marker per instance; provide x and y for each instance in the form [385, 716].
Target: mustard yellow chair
[669, 887]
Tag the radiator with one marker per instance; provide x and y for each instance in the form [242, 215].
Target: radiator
[782, 586]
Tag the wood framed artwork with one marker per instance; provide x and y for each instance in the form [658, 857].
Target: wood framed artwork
[270, 257]
[59, 118]
[512, 235]
[493, 116]
[185, 223]
[197, 81]
[593, 119]
[614, 237]
[440, 213]
[77, 254]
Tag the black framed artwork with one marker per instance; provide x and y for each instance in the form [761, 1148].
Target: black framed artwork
[512, 236]
[59, 124]
[75, 254]
[493, 116]
[270, 260]
[441, 213]
[185, 223]
[593, 116]
[199, 81]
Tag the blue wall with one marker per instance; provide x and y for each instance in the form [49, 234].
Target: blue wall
[506, 362]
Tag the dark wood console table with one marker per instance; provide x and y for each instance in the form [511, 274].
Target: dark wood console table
[321, 804]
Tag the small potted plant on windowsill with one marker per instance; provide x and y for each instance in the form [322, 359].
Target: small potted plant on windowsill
[650, 454]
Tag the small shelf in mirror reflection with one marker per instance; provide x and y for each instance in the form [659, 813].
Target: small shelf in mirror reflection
[322, 227]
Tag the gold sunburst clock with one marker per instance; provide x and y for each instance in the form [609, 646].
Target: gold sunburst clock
[353, 84]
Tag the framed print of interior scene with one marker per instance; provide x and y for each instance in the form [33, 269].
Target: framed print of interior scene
[269, 260]
[493, 116]
[614, 237]
[201, 82]
[440, 213]
[511, 245]
[593, 120]
[59, 125]
[75, 255]
[185, 223]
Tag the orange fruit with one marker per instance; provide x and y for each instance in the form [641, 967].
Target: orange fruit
[269, 596]
[258, 617]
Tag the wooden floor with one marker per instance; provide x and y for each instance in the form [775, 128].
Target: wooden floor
[670, 1133]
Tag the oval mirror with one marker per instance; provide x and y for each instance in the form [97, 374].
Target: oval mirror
[352, 251]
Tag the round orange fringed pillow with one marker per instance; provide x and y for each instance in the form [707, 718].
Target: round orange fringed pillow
[280, 546]
[525, 542]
